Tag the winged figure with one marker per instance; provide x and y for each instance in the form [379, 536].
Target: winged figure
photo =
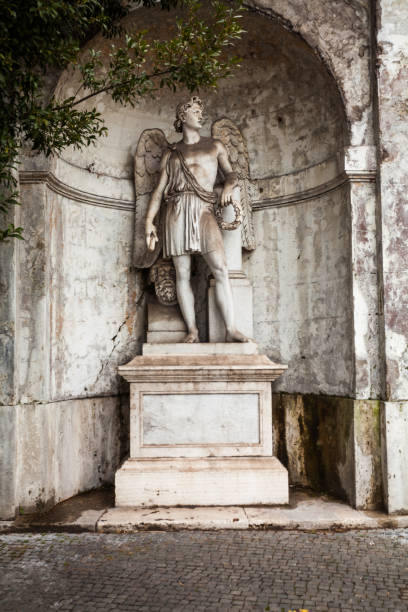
[177, 203]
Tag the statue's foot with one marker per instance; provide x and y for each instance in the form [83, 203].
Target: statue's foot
[236, 336]
[192, 337]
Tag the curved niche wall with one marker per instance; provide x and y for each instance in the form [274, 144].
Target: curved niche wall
[289, 110]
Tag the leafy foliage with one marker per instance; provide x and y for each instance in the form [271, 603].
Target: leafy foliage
[37, 36]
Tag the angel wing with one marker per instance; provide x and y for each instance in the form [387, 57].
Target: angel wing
[229, 134]
[150, 148]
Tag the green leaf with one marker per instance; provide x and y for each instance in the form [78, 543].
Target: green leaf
[37, 36]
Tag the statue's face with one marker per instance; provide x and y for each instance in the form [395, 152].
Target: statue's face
[193, 116]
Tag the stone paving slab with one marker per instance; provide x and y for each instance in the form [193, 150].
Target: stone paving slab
[94, 511]
[86, 521]
[119, 520]
[205, 571]
[309, 514]
[319, 513]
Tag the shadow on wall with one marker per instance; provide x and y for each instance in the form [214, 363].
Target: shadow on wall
[332, 445]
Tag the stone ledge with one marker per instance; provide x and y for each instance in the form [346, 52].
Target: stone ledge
[125, 520]
[306, 512]
[185, 368]
[201, 348]
[308, 515]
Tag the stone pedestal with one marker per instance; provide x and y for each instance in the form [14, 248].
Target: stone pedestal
[201, 428]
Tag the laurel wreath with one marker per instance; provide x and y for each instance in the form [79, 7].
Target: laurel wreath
[229, 225]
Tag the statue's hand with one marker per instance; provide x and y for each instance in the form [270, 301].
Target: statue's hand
[227, 195]
[151, 236]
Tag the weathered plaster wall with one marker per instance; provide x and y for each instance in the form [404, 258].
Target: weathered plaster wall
[8, 461]
[368, 487]
[52, 451]
[394, 428]
[367, 370]
[392, 59]
[286, 104]
[302, 303]
[66, 292]
[7, 322]
[78, 304]
[7, 311]
[80, 308]
[96, 302]
[392, 74]
[340, 33]
[290, 112]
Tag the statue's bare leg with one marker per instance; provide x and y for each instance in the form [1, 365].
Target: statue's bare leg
[223, 294]
[185, 295]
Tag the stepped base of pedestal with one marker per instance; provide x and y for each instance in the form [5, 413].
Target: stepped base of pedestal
[222, 481]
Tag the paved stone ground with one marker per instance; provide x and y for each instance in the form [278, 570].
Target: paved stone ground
[205, 571]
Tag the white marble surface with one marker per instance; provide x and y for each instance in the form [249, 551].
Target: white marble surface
[200, 418]
[232, 238]
[164, 323]
[226, 481]
[132, 519]
[201, 348]
[52, 456]
[196, 427]
[164, 336]
[164, 318]
[395, 455]
[303, 514]
[243, 310]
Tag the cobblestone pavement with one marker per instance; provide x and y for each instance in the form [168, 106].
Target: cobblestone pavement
[205, 571]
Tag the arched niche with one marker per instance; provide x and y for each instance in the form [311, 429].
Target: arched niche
[290, 112]
[287, 106]
[339, 32]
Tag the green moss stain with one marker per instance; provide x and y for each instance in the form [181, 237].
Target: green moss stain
[368, 440]
[326, 432]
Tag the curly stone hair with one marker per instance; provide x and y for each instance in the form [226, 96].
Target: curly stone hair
[181, 109]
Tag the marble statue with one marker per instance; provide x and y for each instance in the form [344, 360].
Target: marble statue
[201, 413]
[176, 184]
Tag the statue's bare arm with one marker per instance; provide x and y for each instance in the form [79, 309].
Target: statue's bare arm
[231, 180]
[155, 203]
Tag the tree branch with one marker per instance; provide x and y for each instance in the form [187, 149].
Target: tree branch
[108, 87]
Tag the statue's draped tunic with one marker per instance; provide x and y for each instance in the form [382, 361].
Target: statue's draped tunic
[190, 225]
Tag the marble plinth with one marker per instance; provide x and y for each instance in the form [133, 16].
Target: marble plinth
[226, 481]
[201, 348]
[199, 421]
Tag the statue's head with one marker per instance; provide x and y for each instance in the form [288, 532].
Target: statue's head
[190, 112]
